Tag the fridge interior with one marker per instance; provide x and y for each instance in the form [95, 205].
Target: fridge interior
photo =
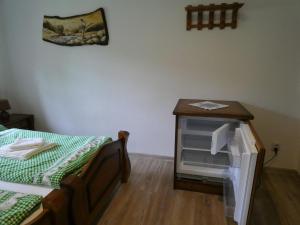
[219, 150]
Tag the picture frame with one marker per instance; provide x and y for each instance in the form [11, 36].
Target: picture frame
[84, 29]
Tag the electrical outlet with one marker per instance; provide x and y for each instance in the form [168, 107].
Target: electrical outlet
[275, 148]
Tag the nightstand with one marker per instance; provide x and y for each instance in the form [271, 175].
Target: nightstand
[22, 121]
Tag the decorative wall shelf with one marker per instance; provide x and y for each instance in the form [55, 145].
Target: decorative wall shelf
[212, 15]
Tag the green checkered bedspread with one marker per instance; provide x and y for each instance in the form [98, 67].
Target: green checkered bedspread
[15, 207]
[49, 167]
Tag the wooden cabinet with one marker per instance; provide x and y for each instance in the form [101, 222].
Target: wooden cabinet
[22, 121]
[218, 151]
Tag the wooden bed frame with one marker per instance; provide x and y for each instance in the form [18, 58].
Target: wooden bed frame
[83, 198]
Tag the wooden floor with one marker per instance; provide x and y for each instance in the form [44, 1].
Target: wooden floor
[277, 201]
[149, 199]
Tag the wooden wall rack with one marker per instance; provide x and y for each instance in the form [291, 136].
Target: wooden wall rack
[196, 16]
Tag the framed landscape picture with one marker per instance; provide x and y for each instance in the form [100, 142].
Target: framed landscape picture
[85, 29]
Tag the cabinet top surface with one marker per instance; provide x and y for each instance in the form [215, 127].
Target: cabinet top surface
[234, 110]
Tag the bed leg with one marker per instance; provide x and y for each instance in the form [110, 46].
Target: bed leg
[123, 136]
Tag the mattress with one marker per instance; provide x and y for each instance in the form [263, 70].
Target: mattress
[25, 188]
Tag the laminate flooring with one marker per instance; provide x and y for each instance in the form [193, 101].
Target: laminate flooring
[277, 201]
[149, 199]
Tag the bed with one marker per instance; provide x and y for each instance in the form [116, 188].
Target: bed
[84, 196]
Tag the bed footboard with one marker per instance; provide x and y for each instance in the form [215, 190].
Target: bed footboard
[123, 137]
[94, 188]
[56, 207]
[45, 218]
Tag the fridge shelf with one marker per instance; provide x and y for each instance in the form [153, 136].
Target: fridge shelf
[201, 178]
[228, 198]
[199, 143]
[204, 134]
[196, 142]
[197, 132]
[198, 124]
[205, 159]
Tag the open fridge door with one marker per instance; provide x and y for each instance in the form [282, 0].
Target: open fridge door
[238, 187]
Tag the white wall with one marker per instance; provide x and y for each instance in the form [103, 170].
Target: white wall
[150, 62]
[1, 64]
[2, 52]
[298, 104]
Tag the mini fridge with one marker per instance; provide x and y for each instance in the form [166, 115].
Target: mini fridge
[218, 152]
